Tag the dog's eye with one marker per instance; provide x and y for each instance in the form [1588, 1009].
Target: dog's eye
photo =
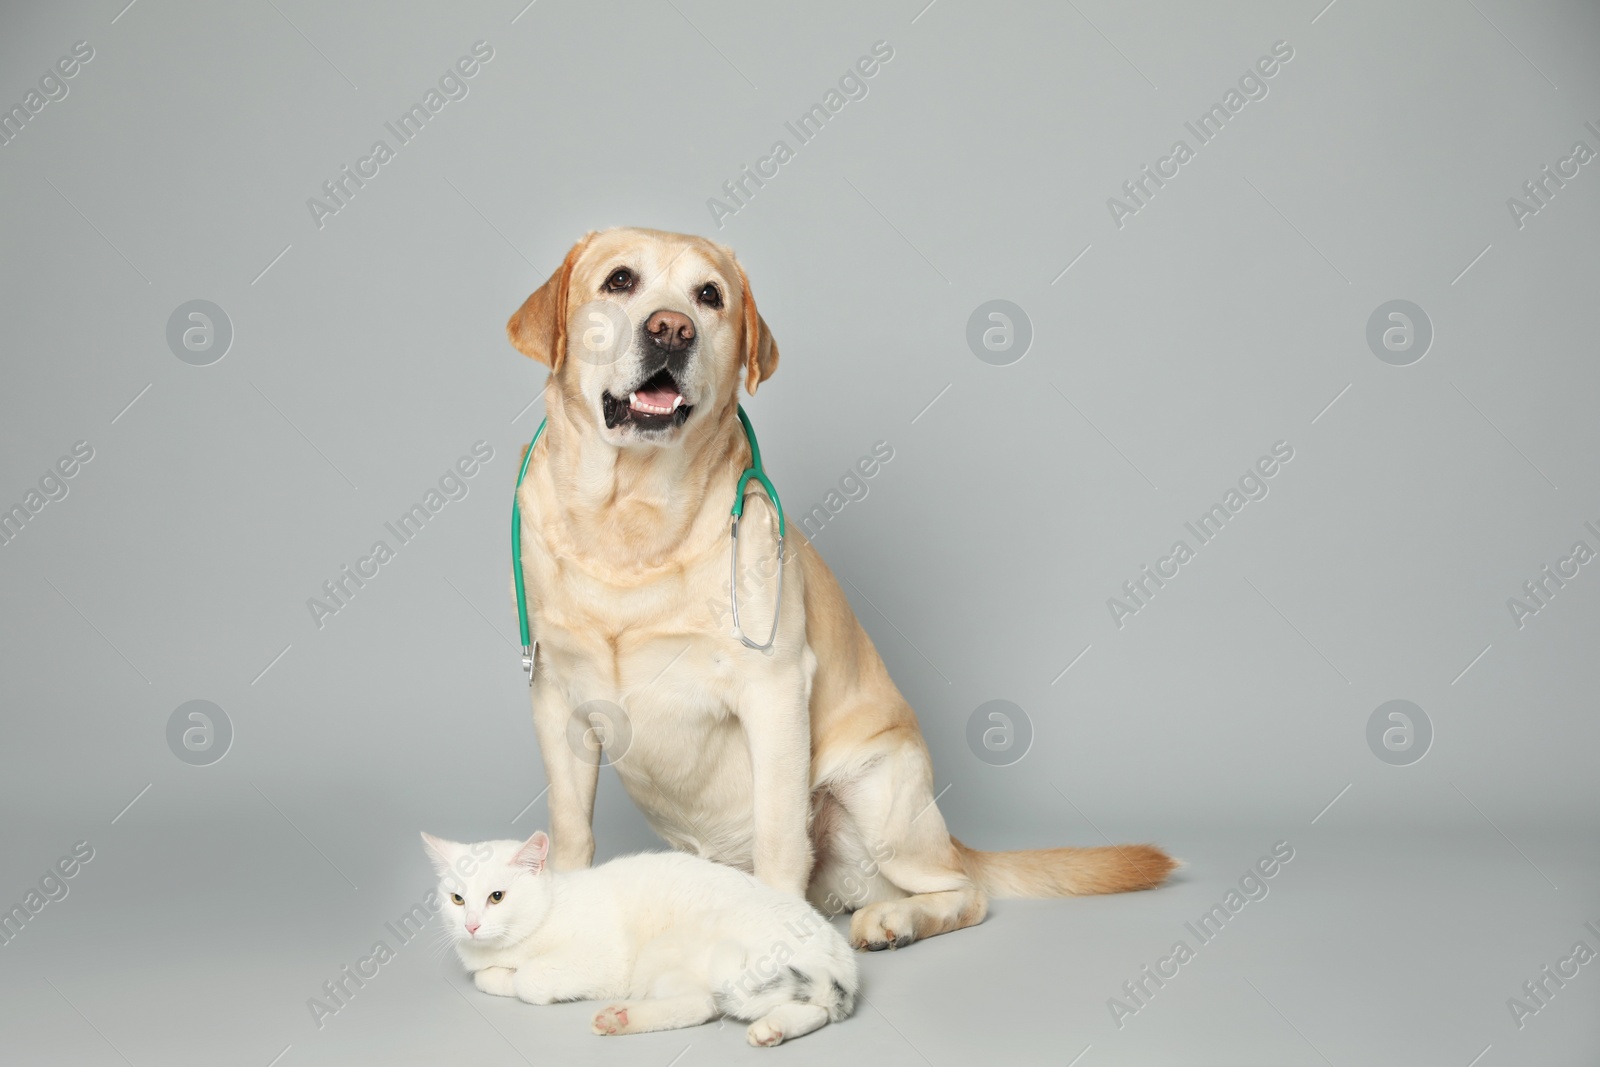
[456, 897]
[710, 295]
[497, 896]
[620, 280]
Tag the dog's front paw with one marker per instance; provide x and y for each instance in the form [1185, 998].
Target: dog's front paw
[496, 981]
[886, 924]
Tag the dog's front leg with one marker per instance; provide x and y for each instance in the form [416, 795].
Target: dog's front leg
[573, 772]
[776, 719]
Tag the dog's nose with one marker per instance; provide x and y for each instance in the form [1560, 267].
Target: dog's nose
[669, 331]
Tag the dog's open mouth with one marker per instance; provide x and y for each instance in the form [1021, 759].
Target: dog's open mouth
[655, 404]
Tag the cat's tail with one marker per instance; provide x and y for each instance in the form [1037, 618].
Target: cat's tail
[826, 979]
[1066, 872]
[839, 998]
[832, 989]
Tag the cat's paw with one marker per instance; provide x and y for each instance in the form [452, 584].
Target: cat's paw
[528, 988]
[763, 1033]
[612, 1020]
[886, 924]
[496, 981]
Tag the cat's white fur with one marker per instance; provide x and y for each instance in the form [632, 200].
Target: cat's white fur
[684, 939]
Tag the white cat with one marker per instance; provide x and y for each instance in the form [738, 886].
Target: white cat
[684, 939]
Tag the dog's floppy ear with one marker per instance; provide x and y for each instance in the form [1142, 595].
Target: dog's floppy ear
[760, 350]
[539, 327]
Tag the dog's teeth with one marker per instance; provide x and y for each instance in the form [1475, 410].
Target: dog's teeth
[647, 408]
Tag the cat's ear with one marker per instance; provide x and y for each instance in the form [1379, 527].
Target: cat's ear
[441, 852]
[532, 853]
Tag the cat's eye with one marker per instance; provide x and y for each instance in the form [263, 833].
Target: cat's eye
[457, 898]
[497, 896]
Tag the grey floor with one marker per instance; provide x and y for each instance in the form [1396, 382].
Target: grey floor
[175, 946]
[1155, 359]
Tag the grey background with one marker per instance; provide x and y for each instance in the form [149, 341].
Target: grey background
[1228, 314]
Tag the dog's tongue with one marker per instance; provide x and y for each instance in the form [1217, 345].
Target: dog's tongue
[659, 398]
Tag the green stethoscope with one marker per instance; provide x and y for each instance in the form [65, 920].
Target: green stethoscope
[755, 470]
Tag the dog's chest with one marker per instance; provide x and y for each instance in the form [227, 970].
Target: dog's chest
[648, 665]
[651, 644]
[668, 728]
[652, 648]
[658, 637]
[662, 703]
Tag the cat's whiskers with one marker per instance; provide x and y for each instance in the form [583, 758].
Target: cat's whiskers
[444, 944]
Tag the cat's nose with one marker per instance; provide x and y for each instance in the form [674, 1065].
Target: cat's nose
[472, 927]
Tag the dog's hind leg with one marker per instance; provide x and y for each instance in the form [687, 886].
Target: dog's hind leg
[921, 887]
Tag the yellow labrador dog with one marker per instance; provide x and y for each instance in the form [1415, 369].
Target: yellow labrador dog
[803, 763]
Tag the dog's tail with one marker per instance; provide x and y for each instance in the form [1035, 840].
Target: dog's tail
[1066, 872]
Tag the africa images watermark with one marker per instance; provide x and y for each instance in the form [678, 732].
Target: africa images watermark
[1543, 188]
[1541, 989]
[53, 486]
[342, 188]
[852, 487]
[342, 588]
[1538, 591]
[51, 889]
[849, 889]
[52, 88]
[1252, 86]
[757, 569]
[340, 990]
[1253, 485]
[852, 85]
[1139, 991]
